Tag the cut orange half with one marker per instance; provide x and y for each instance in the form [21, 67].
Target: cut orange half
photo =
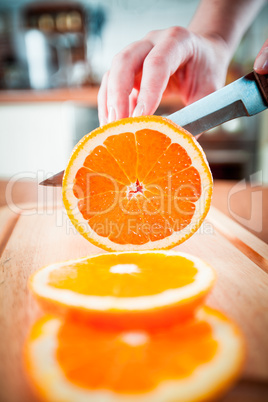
[137, 184]
[127, 289]
[195, 361]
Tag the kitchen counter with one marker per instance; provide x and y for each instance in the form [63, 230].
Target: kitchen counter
[86, 96]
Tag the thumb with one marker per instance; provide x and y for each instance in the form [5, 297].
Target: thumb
[261, 62]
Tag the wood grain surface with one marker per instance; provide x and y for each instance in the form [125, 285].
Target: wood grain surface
[32, 239]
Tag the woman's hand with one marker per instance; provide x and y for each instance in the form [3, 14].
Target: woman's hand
[190, 62]
[261, 62]
[172, 60]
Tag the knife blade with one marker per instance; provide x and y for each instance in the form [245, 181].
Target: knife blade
[246, 96]
[243, 97]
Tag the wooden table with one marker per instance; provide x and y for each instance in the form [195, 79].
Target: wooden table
[32, 222]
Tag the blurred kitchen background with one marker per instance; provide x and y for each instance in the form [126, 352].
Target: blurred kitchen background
[52, 58]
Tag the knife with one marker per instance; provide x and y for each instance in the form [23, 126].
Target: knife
[244, 97]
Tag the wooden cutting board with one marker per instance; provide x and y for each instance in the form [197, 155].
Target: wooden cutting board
[34, 238]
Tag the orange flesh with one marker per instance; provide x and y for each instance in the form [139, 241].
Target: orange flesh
[137, 188]
[132, 362]
[139, 275]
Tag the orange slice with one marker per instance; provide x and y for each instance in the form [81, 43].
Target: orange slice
[127, 289]
[195, 361]
[137, 184]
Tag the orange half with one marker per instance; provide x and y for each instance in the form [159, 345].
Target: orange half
[195, 361]
[137, 184]
[143, 289]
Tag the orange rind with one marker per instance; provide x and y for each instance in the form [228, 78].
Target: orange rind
[137, 184]
[193, 362]
[142, 289]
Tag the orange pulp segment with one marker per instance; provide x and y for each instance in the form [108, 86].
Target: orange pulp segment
[195, 361]
[139, 183]
[142, 289]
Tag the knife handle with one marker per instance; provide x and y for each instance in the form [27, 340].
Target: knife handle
[262, 81]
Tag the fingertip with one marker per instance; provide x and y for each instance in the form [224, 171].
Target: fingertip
[102, 121]
[139, 110]
[133, 101]
[118, 103]
[102, 100]
[102, 118]
[261, 62]
[261, 65]
[111, 114]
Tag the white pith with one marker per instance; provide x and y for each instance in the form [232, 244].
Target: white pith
[203, 280]
[135, 338]
[176, 236]
[203, 382]
[131, 190]
[124, 269]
